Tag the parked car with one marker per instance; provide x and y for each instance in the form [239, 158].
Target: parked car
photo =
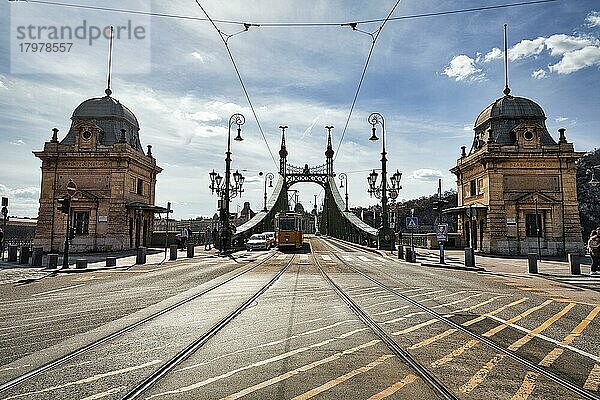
[258, 241]
[270, 238]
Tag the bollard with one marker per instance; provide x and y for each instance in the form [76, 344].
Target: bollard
[111, 261]
[470, 257]
[574, 264]
[408, 254]
[532, 260]
[12, 253]
[24, 255]
[141, 255]
[52, 261]
[190, 250]
[400, 252]
[81, 263]
[173, 253]
[36, 259]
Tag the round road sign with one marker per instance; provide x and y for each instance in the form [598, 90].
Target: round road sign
[71, 188]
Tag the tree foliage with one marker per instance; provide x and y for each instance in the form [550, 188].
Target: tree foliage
[588, 195]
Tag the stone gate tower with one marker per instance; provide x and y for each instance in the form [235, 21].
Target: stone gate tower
[517, 184]
[114, 207]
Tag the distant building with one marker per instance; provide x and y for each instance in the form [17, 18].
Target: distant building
[517, 184]
[102, 153]
[19, 231]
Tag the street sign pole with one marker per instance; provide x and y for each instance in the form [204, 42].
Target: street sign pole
[4, 216]
[71, 191]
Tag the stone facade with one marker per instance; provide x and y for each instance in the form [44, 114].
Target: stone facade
[517, 184]
[114, 205]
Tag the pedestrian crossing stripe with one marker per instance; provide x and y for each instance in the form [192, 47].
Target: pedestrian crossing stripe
[363, 258]
[348, 258]
[325, 257]
[303, 257]
[281, 257]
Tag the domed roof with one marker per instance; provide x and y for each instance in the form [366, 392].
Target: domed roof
[511, 107]
[110, 116]
[104, 108]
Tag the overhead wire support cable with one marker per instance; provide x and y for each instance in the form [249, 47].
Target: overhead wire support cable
[224, 37]
[286, 24]
[374, 37]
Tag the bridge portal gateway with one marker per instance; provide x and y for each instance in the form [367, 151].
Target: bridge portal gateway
[336, 221]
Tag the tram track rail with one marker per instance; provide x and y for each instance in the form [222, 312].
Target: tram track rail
[14, 382]
[401, 353]
[584, 393]
[190, 349]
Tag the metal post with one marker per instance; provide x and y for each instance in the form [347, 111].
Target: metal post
[4, 217]
[167, 228]
[385, 238]
[537, 230]
[344, 177]
[65, 262]
[442, 261]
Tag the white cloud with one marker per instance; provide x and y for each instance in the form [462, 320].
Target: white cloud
[18, 142]
[539, 74]
[493, 54]
[198, 56]
[426, 175]
[560, 119]
[593, 19]
[562, 44]
[463, 68]
[526, 48]
[576, 60]
[467, 128]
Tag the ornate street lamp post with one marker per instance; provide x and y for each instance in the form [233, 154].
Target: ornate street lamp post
[268, 176]
[223, 186]
[386, 236]
[344, 177]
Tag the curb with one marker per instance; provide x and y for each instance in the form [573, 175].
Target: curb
[453, 266]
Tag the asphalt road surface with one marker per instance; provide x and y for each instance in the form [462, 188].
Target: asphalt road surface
[331, 322]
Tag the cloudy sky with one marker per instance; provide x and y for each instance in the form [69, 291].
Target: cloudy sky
[429, 76]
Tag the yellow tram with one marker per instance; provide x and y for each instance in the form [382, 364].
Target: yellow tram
[288, 230]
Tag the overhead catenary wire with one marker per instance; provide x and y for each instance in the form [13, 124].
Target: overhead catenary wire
[374, 38]
[224, 37]
[246, 25]
[286, 24]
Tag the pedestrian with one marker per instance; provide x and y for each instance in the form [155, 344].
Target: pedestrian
[594, 249]
[184, 237]
[207, 237]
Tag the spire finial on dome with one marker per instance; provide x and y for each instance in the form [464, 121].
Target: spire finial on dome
[110, 51]
[506, 88]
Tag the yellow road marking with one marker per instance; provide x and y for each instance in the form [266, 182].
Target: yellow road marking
[501, 327]
[334, 382]
[526, 387]
[410, 378]
[432, 339]
[593, 380]
[434, 320]
[275, 342]
[481, 374]
[278, 357]
[473, 342]
[296, 371]
[525, 339]
[454, 354]
[496, 311]
[557, 351]
[88, 379]
[104, 394]
[89, 278]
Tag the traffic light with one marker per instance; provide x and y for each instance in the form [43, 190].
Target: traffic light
[64, 205]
